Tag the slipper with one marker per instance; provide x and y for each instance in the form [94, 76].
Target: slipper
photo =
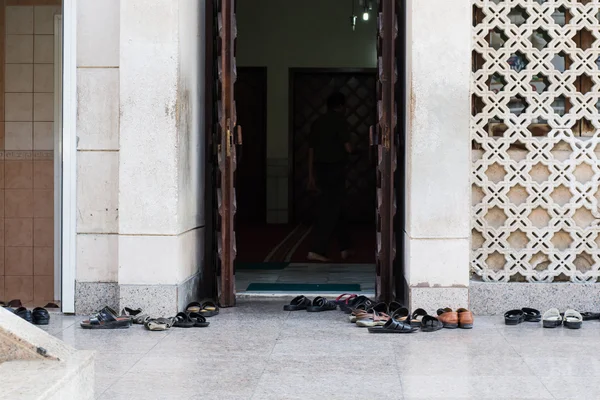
[358, 314]
[106, 319]
[183, 320]
[394, 306]
[572, 319]
[376, 319]
[321, 304]
[194, 306]
[393, 326]
[429, 323]
[15, 303]
[514, 317]
[588, 316]
[552, 318]
[40, 316]
[209, 309]
[297, 304]
[531, 314]
[359, 303]
[403, 315]
[158, 324]
[417, 317]
[199, 320]
[343, 298]
[23, 313]
[346, 305]
[136, 315]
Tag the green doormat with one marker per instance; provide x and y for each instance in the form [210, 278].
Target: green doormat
[304, 287]
[239, 266]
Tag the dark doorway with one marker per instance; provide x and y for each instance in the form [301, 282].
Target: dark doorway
[251, 173]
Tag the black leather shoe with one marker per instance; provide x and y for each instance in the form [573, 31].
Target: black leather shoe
[40, 316]
[24, 313]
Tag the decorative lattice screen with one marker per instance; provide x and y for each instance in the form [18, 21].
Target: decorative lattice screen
[536, 141]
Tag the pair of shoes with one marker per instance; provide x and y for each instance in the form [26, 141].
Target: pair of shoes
[571, 319]
[107, 318]
[515, 317]
[206, 308]
[190, 320]
[37, 316]
[461, 318]
[427, 323]
[319, 304]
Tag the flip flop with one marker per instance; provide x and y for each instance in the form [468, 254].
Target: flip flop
[183, 320]
[552, 318]
[199, 320]
[572, 319]
[136, 315]
[514, 317]
[159, 324]
[209, 309]
[40, 316]
[393, 326]
[321, 304]
[106, 319]
[298, 303]
[532, 315]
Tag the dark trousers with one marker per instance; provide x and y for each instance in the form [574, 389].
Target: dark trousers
[331, 181]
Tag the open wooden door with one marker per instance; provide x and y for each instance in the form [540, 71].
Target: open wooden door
[384, 137]
[228, 136]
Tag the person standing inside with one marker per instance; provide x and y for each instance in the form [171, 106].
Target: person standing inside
[329, 148]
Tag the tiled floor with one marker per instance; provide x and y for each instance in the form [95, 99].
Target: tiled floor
[257, 351]
[363, 274]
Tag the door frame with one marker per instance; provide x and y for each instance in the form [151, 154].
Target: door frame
[292, 73]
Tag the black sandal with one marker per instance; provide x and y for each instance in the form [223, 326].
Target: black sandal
[531, 314]
[209, 309]
[40, 316]
[321, 304]
[393, 326]
[183, 320]
[588, 316]
[297, 304]
[514, 317]
[199, 320]
[106, 319]
[429, 323]
[359, 303]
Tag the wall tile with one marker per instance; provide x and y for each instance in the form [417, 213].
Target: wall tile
[2, 173]
[43, 135]
[2, 296]
[98, 108]
[18, 174]
[43, 203]
[18, 232]
[43, 174]
[19, 20]
[98, 33]
[43, 78]
[43, 107]
[18, 261]
[43, 260]
[2, 227]
[2, 208]
[19, 49]
[18, 203]
[18, 287]
[18, 107]
[18, 135]
[97, 192]
[43, 288]
[1, 267]
[1, 141]
[43, 232]
[97, 258]
[44, 19]
[43, 49]
[19, 78]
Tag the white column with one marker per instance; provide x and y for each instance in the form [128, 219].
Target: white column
[437, 235]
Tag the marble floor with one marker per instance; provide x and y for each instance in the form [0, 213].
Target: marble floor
[257, 351]
[363, 274]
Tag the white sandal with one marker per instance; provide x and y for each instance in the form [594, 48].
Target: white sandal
[552, 318]
[572, 319]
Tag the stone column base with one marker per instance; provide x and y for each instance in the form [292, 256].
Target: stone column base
[432, 298]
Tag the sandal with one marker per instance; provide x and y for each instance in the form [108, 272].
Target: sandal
[183, 320]
[514, 317]
[106, 319]
[136, 315]
[393, 326]
[359, 303]
[194, 306]
[345, 305]
[199, 320]
[572, 319]
[552, 318]
[40, 316]
[531, 314]
[417, 317]
[588, 316]
[429, 323]
[209, 309]
[376, 319]
[403, 315]
[321, 304]
[158, 324]
[297, 304]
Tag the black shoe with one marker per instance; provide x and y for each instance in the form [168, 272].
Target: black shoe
[24, 313]
[40, 316]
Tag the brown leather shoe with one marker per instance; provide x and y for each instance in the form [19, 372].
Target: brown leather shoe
[465, 318]
[448, 317]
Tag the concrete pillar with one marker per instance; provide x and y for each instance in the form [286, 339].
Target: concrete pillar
[437, 236]
[161, 149]
[97, 154]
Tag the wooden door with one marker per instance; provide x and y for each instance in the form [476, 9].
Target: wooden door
[251, 172]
